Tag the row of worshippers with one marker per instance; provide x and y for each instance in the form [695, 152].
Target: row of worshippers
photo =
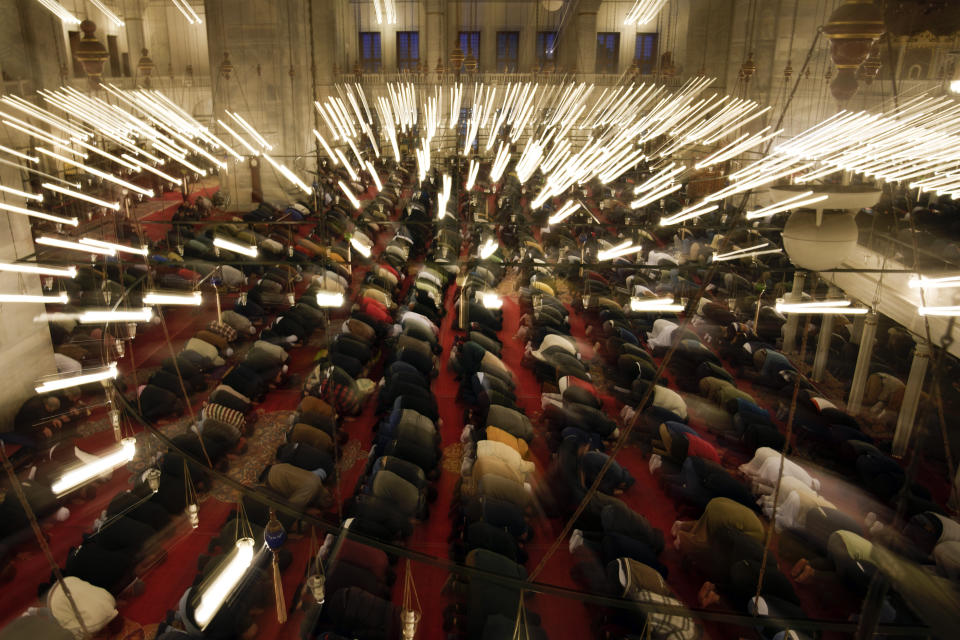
[127, 537]
[304, 465]
[700, 478]
[495, 506]
[395, 490]
[685, 459]
[616, 550]
[226, 425]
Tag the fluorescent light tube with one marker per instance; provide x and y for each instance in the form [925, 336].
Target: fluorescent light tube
[81, 196]
[488, 248]
[119, 248]
[246, 250]
[330, 299]
[55, 384]
[655, 304]
[835, 307]
[23, 194]
[924, 282]
[21, 267]
[73, 222]
[18, 297]
[106, 315]
[346, 191]
[362, 248]
[187, 299]
[492, 301]
[939, 311]
[75, 246]
[90, 470]
[227, 579]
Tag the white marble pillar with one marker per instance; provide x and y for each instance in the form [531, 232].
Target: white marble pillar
[432, 39]
[907, 419]
[586, 40]
[868, 335]
[823, 348]
[136, 41]
[793, 319]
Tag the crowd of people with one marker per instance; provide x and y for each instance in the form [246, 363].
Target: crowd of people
[758, 462]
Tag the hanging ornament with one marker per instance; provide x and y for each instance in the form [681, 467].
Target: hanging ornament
[115, 423]
[152, 477]
[871, 66]
[852, 28]
[411, 612]
[667, 68]
[90, 52]
[316, 580]
[226, 67]
[456, 59]
[193, 509]
[748, 68]
[275, 535]
[145, 66]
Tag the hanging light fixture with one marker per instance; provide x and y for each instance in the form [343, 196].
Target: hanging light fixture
[798, 201]
[654, 305]
[111, 16]
[61, 298]
[81, 196]
[23, 194]
[194, 299]
[625, 248]
[109, 316]
[944, 282]
[951, 311]
[488, 248]
[330, 299]
[749, 252]
[184, 7]
[60, 11]
[491, 300]
[75, 246]
[247, 250]
[825, 307]
[361, 244]
[119, 248]
[73, 222]
[347, 192]
[691, 212]
[65, 382]
[91, 470]
[22, 156]
[567, 210]
[21, 267]
[227, 578]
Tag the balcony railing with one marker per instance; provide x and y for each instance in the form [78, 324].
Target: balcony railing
[493, 78]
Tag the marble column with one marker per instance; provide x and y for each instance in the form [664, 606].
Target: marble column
[431, 43]
[793, 319]
[868, 335]
[271, 85]
[586, 37]
[857, 330]
[907, 419]
[133, 26]
[823, 348]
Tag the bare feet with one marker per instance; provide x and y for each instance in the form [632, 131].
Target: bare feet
[708, 595]
[802, 572]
